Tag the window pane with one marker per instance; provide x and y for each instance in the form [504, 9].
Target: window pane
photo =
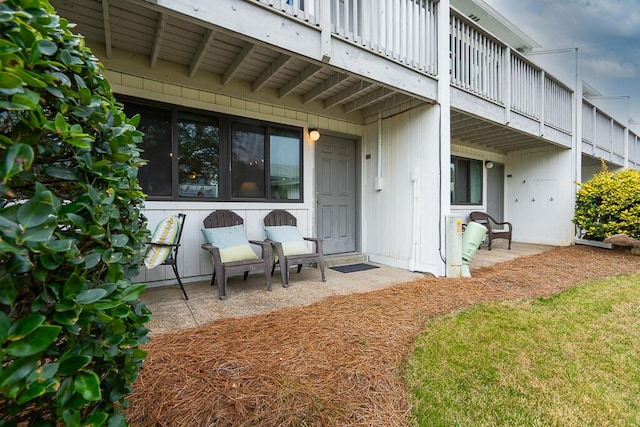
[198, 156]
[247, 160]
[462, 182]
[155, 176]
[475, 182]
[284, 164]
[466, 181]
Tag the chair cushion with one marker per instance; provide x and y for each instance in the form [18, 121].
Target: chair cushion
[166, 232]
[290, 237]
[232, 242]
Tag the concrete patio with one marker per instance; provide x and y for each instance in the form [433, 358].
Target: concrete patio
[246, 298]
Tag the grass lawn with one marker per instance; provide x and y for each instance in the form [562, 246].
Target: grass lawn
[569, 360]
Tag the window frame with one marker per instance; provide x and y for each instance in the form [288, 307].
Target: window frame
[225, 126]
[456, 161]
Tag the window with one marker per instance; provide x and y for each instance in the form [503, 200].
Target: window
[195, 154]
[466, 181]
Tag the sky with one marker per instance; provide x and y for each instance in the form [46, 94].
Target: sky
[606, 32]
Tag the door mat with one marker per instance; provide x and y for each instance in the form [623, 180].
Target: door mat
[353, 267]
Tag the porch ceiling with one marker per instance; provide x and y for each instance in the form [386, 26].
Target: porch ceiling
[483, 134]
[145, 30]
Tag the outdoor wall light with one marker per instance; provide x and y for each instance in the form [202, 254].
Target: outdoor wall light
[314, 134]
[488, 164]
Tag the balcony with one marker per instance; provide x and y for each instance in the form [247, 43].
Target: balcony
[351, 59]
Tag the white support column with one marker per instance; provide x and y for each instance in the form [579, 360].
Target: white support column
[444, 101]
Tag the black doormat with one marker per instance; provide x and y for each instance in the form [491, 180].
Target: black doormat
[353, 267]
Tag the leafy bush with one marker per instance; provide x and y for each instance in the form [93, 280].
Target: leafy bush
[71, 230]
[608, 204]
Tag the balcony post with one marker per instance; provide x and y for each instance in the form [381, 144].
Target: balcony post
[325, 30]
[506, 100]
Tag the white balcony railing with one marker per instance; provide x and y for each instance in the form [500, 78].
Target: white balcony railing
[478, 64]
[602, 136]
[404, 31]
[476, 61]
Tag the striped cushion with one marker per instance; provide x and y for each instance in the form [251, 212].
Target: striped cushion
[166, 232]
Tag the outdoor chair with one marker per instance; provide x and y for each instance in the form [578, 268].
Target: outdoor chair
[495, 229]
[163, 247]
[231, 250]
[291, 249]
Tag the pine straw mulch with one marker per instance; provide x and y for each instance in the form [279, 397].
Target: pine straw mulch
[336, 362]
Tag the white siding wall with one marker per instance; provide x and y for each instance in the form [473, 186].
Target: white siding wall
[194, 263]
[539, 196]
[396, 218]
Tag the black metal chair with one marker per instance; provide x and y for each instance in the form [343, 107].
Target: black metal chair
[280, 217]
[227, 218]
[174, 246]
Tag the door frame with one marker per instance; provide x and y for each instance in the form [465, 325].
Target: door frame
[497, 192]
[358, 183]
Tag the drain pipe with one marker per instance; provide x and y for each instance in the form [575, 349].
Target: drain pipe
[414, 225]
[379, 182]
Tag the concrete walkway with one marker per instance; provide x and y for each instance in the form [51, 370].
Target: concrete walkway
[246, 298]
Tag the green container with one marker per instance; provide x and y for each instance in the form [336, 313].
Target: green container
[471, 239]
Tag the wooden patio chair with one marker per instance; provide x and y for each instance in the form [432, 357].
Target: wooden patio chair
[231, 251]
[495, 229]
[163, 247]
[283, 234]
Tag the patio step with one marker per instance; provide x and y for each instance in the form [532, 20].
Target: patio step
[344, 259]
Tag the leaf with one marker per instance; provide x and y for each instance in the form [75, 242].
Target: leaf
[41, 233]
[47, 47]
[62, 245]
[34, 343]
[133, 292]
[61, 124]
[87, 384]
[51, 261]
[90, 296]
[61, 173]
[18, 370]
[67, 318]
[37, 210]
[91, 260]
[7, 47]
[54, 91]
[8, 291]
[73, 364]
[17, 158]
[28, 98]
[5, 323]
[34, 390]
[80, 142]
[119, 240]
[9, 82]
[25, 326]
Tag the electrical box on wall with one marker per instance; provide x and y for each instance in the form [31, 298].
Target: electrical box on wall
[378, 184]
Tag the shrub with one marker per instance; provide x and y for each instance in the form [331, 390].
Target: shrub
[71, 230]
[608, 204]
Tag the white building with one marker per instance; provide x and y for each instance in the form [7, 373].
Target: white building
[411, 97]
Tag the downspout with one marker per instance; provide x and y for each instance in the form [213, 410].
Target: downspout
[378, 184]
[414, 225]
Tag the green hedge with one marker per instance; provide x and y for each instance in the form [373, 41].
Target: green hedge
[608, 204]
[71, 230]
